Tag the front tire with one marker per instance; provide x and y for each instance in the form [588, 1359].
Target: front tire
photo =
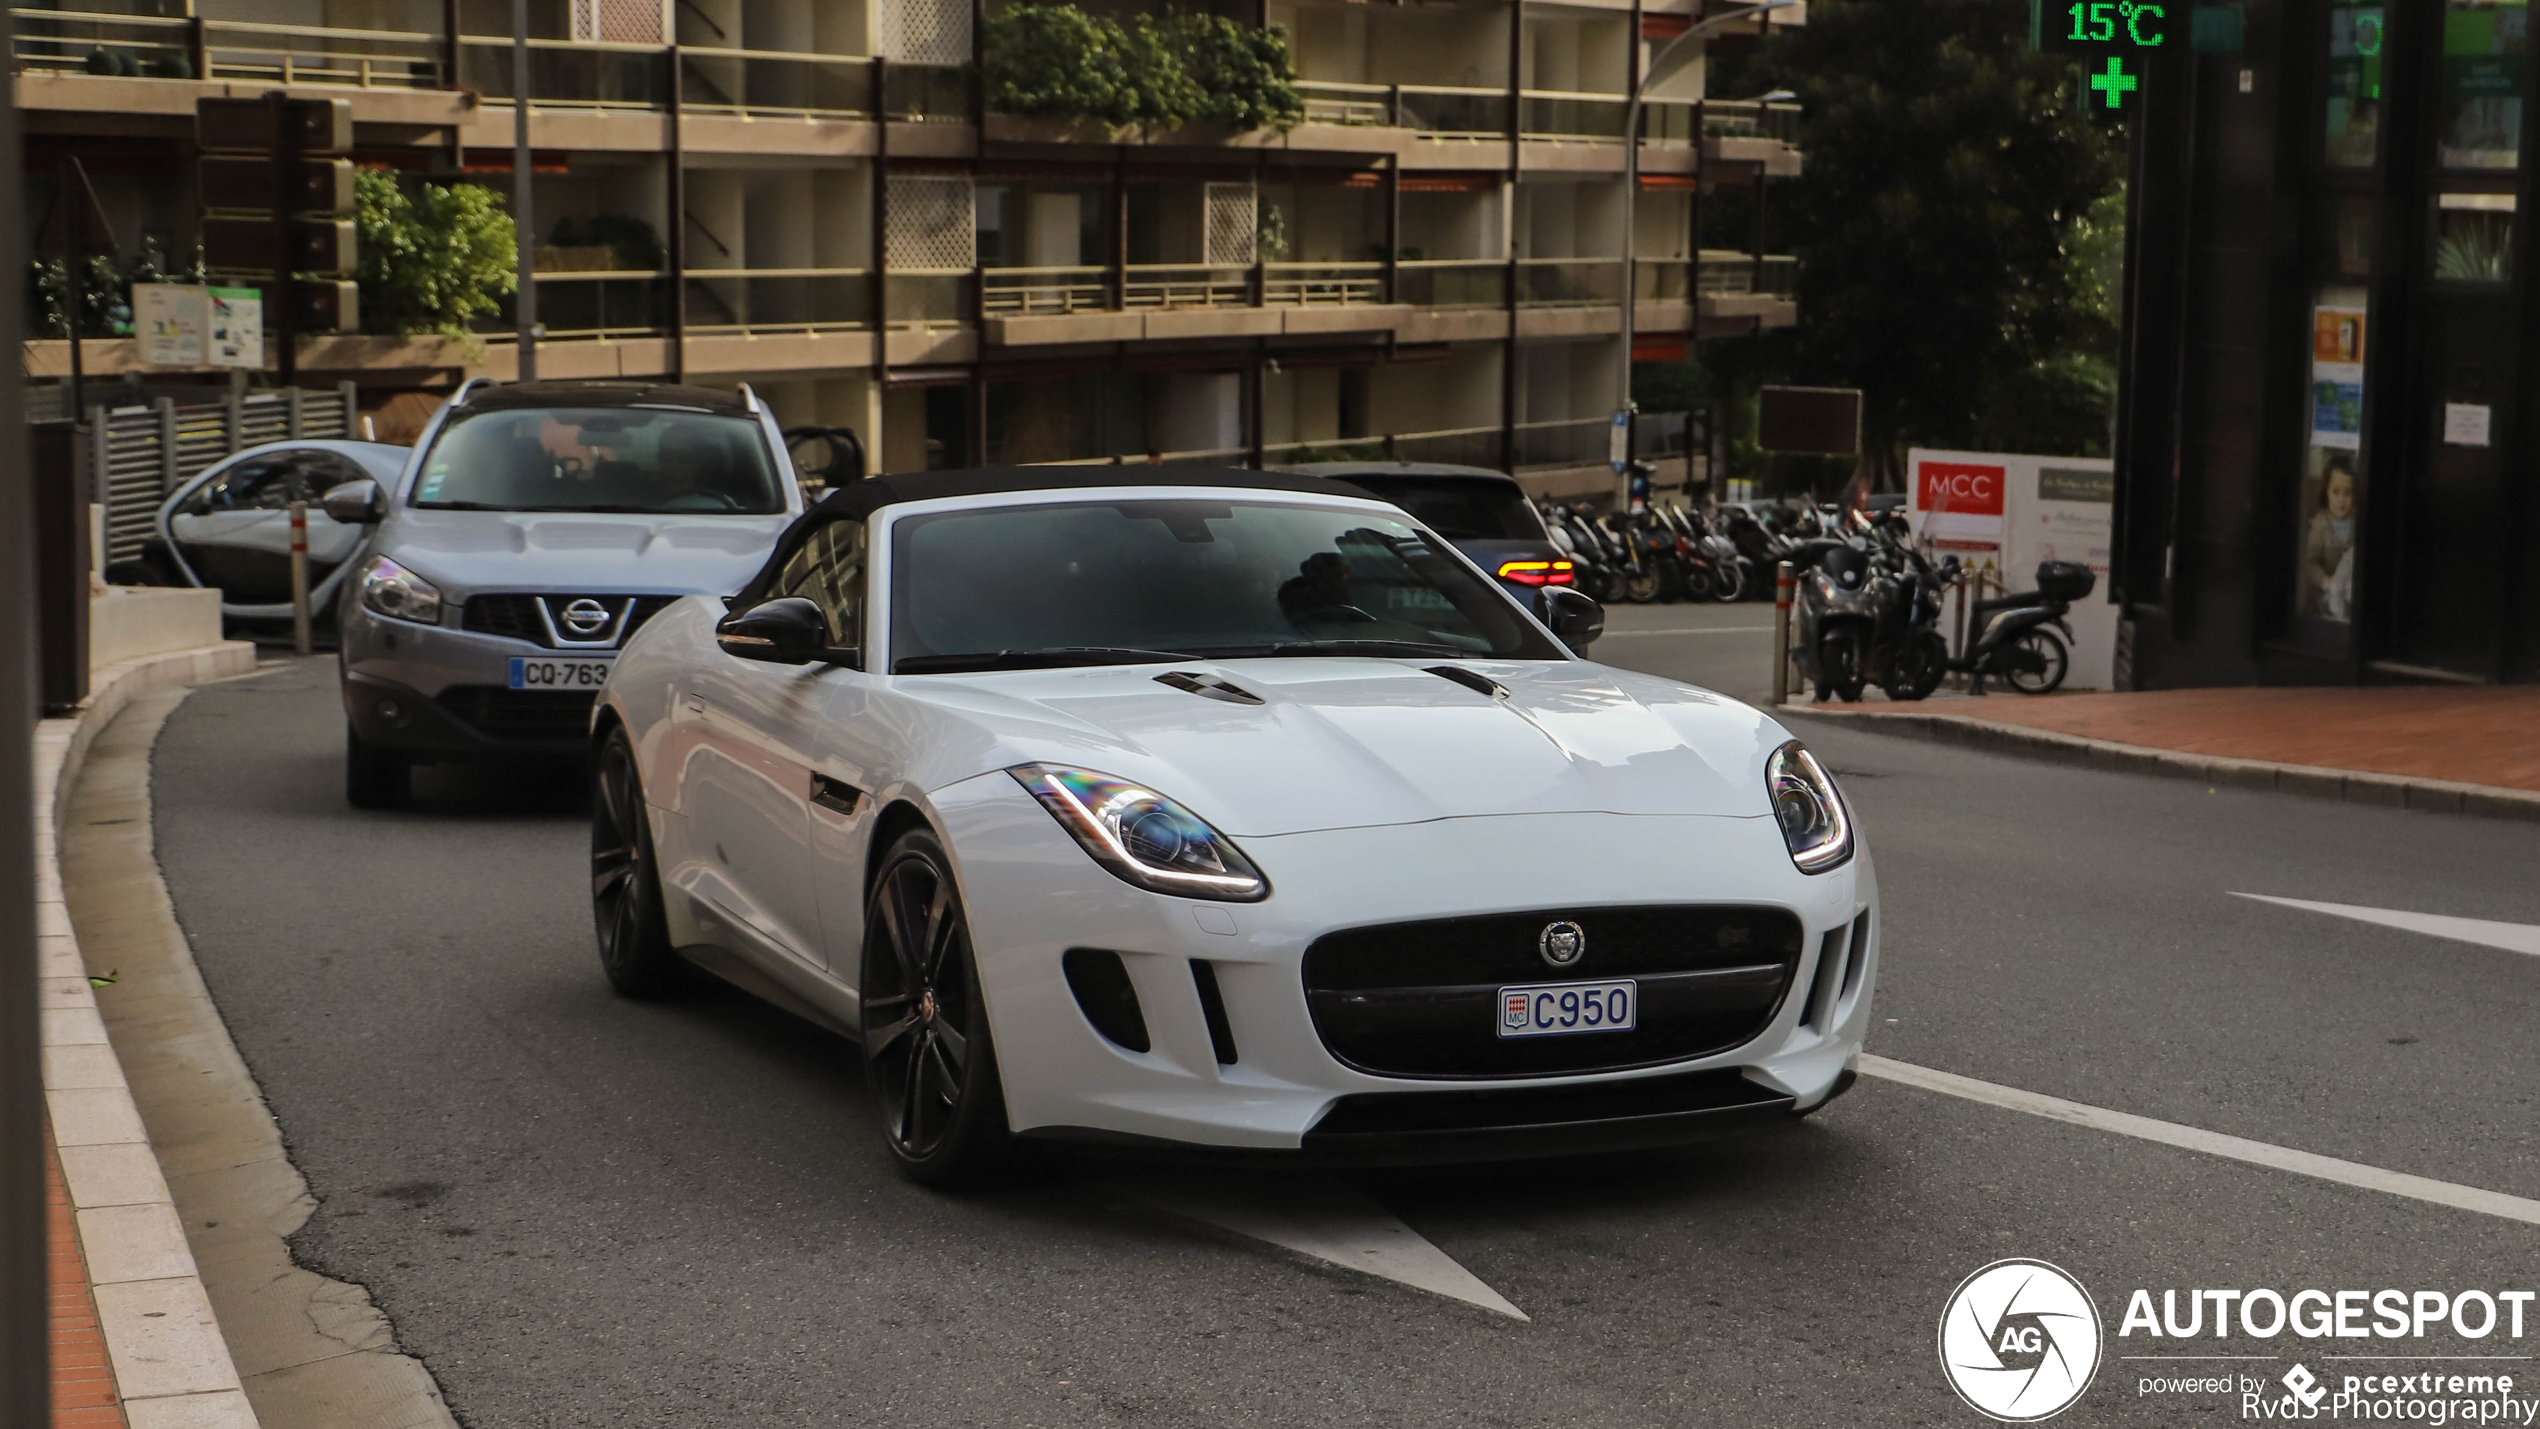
[1917, 667]
[1839, 658]
[626, 910]
[375, 777]
[929, 1060]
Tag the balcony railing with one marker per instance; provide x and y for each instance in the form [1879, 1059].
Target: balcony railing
[763, 84]
[1749, 119]
[1322, 284]
[930, 298]
[1329, 103]
[1588, 118]
[1188, 285]
[176, 47]
[1579, 441]
[1671, 122]
[592, 307]
[571, 74]
[1462, 446]
[1569, 282]
[1013, 292]
[1453, 283]
[1445, 112]
[1726, 272]
[765, 302]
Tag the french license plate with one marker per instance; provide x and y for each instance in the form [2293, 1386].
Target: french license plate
[528, 674]
[1551, 1009]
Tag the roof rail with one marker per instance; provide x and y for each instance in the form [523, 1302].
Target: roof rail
[749, 399]
[459, 398]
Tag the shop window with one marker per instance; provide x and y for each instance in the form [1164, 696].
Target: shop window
[2354, 86]
[2480, 124]
[2473, 238]
[2331, 505]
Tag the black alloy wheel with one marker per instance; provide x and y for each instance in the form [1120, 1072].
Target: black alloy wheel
[626, 909]
[2035, 661]
[928, 1059]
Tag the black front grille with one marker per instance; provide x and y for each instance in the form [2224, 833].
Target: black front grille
[514, 615]
[1421, 999]
[524, 715]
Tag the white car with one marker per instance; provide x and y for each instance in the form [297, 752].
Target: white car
[1222, 809]
[230, 526]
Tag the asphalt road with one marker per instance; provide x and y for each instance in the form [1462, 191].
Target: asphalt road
[583, 1211]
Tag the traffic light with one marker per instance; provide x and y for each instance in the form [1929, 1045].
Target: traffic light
[277, 204]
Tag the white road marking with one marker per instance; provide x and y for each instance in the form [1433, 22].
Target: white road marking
[1325, 1220]
[1714, 630]
[2211, 1143]
[2512, 937]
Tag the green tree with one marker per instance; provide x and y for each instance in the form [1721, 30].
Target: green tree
[1060, 62]
[1952, 225]
[433, 258]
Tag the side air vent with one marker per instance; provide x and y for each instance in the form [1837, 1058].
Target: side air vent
[1209, 687]
[1110, 1001]
[1479, 684]
[1212, 1006]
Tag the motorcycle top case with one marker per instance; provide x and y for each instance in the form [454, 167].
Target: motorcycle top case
[2064, 580]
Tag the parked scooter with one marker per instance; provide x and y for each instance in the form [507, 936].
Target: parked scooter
[2014, 636]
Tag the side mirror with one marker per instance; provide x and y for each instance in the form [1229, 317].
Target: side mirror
[789, 631]
[1572, 615]
[355, 503]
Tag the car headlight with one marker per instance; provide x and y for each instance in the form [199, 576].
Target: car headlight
[1143, 837]
[390, 589]
[1810, 811]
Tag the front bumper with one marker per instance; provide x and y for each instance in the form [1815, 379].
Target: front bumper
[1032, 894]
[436, 692]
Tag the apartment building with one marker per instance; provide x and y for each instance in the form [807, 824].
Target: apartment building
[813, 196]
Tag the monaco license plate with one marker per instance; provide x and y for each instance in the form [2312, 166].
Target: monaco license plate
[528, 674]
[1550, 1009]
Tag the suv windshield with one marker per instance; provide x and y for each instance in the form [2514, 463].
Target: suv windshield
[1458, 508]
[635, 459]
[1136, 581]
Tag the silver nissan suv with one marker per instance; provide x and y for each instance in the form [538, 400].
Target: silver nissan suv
[536, 525]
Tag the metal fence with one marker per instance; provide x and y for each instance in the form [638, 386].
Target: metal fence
[141, 453]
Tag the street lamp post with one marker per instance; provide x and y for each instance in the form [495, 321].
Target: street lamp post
[1631, 216]
[524, 222]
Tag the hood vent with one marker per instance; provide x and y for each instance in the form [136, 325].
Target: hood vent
[1478, 683]
[1209, 687]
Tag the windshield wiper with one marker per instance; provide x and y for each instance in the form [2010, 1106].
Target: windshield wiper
[1042, 658]
[1372, 647]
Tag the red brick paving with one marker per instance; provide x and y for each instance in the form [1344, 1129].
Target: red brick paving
[83, 1383]
[2482, 735]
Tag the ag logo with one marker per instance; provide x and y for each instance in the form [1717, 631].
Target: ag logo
[2019, 1340]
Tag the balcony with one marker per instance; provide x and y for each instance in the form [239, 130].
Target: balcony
[181, 47]
[759, 84]
[1322, 284]
[1572, 118]
[1569, 282]
[1431, 111]
[1454, 282]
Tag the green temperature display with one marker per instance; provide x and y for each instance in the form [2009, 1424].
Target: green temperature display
[2112, 38]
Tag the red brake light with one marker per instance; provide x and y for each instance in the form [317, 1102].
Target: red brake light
[1561, 574]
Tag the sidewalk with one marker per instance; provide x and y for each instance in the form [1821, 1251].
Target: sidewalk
[2453, 748]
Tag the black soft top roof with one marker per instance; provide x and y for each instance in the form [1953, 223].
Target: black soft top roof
[493, 397]
[858, 500]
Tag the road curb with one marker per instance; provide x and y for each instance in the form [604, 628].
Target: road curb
[2352, 786]
[171, 1365]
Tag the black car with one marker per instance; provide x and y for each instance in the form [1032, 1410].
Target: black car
[1484, 512]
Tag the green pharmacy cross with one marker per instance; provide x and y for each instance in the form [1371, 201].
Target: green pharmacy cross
[2114, 83]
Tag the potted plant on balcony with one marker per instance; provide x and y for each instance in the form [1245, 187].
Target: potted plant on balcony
[1070, 74]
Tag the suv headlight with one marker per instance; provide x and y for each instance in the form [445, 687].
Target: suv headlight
[1143, 837]
[390, 589]
[1810, 811]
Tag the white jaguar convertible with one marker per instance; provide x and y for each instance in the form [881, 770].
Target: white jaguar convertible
[1221, 809]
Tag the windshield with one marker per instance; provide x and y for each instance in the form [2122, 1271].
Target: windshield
[1136, 581]
[1459, 508]
[600, 459]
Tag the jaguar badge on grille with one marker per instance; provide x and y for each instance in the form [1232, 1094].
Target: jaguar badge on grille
[1562, 943]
